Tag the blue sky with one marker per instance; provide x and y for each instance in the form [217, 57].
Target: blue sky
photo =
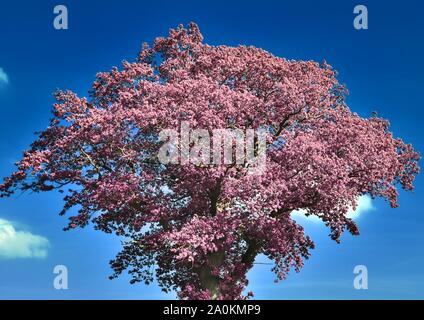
[382, 68]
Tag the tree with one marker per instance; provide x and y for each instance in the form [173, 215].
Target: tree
[203, 225]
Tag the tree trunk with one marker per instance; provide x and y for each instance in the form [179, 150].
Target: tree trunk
[208, 281]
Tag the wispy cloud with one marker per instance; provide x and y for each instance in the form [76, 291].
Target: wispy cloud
[4, 78]
[20, 244]
[364, 205]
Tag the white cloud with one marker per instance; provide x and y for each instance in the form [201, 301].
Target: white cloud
[4, 78]
[364, 205]
[20, 244]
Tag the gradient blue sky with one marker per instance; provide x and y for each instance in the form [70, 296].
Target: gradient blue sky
[382, 67]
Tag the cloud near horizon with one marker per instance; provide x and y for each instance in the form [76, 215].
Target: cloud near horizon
[20, 244]
[364, 205]
[4, 78]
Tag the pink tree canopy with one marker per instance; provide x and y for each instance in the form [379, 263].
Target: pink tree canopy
[203, 225]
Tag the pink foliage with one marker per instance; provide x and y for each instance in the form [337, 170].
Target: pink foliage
[203, 226]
